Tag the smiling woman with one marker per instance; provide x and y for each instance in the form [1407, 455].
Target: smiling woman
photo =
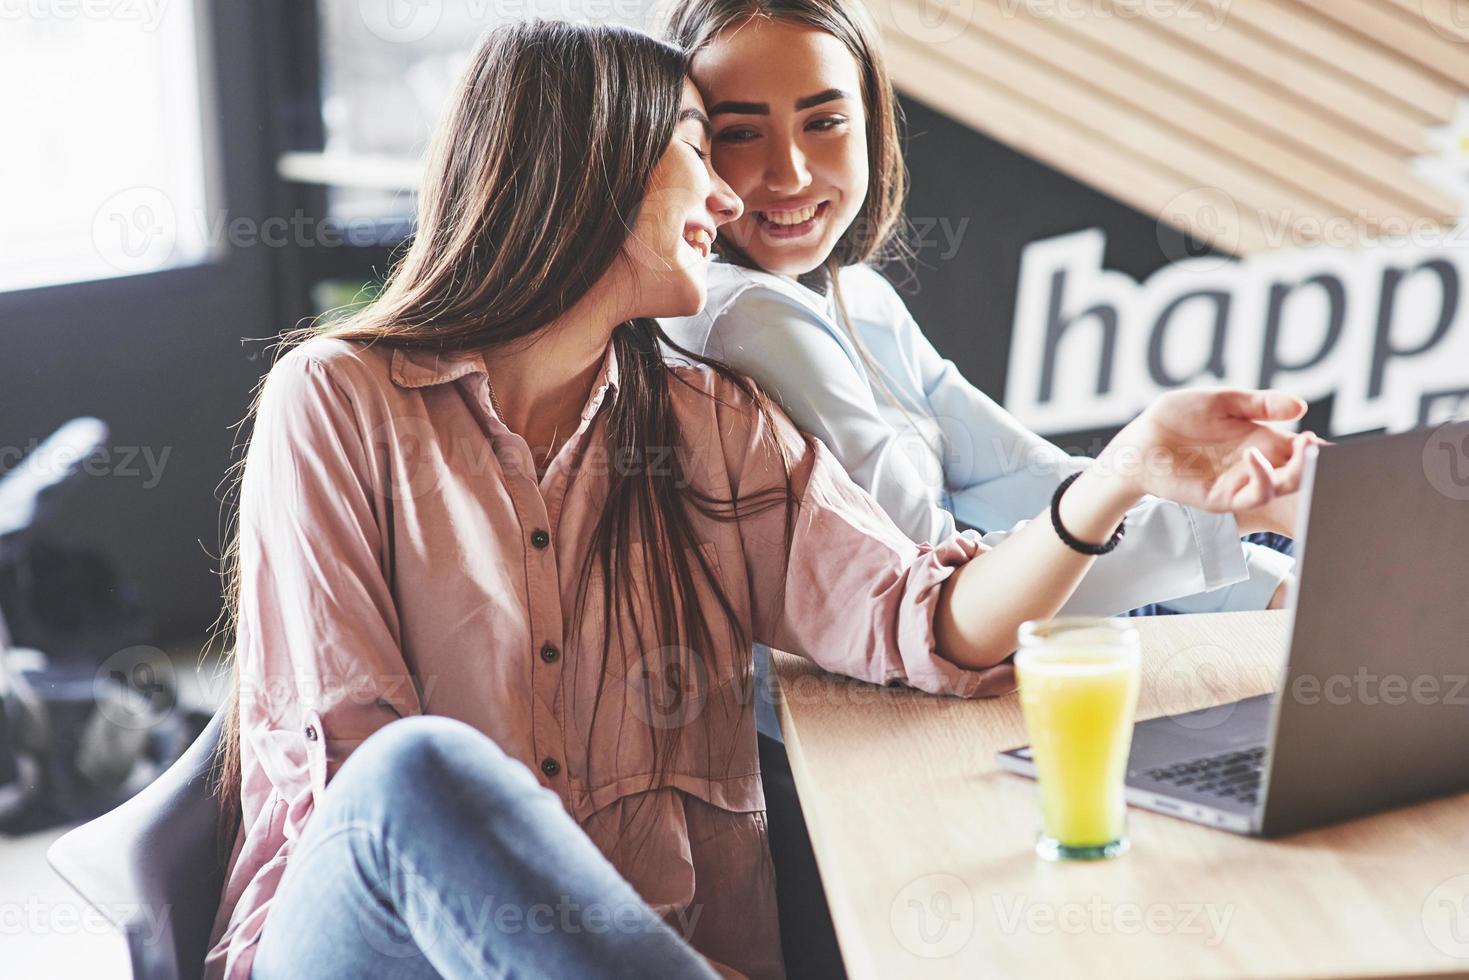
[489, 497]
[625, 533]
[801, 192]
[810, 141]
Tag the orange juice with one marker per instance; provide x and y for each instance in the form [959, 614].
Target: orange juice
[1078, 692]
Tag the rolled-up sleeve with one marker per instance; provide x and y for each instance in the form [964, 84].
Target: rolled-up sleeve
[318, 646]
[317, 638]
[853, 594]
[319, 629]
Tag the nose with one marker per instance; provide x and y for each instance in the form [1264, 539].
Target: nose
[785, 167]
[724, 204]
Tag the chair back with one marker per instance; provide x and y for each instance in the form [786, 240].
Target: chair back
[151, 866]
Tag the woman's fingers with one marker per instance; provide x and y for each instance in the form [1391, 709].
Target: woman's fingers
[1260, 482]
[1278, 446]
[1263, 405]
[1253, 480]
[1288, 477]
[1245, 484]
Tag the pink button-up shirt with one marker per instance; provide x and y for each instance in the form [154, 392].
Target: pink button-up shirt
[395, 560]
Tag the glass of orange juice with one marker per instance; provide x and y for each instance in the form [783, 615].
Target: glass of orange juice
[1078, 691]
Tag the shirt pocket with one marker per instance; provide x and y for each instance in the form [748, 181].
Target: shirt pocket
[661, 700]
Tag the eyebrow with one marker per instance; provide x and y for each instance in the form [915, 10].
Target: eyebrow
[703, 120]
[763, 108]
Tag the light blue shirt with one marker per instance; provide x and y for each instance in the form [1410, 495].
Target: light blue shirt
[950, 451]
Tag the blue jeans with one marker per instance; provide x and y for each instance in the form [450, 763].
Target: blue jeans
[432, 853]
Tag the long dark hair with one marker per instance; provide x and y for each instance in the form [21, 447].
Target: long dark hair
[879, 232]
[532, 185]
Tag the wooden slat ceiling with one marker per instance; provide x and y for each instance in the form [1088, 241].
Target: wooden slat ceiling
[1252, 124]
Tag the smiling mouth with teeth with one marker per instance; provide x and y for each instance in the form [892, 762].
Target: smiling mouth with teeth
[791, 224]
[789, 217]
[700, 241]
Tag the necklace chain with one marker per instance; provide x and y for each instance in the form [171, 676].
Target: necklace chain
[495, 403]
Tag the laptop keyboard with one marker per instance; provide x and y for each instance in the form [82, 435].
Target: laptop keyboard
[1229, 775]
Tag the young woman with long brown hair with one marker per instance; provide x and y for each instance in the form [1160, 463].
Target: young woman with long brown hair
[499, 565]
[811, 141]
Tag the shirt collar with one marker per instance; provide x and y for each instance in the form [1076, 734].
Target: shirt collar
[413, 368]
[606, 381]
[420, 368]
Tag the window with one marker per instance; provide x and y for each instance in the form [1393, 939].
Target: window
[103, 171]
[387, 70]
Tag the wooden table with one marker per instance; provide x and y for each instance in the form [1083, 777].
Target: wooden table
[926, 847]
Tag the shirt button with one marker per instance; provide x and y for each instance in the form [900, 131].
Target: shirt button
[310, 733]
[550, 766]
[540, 538]
[549, 653]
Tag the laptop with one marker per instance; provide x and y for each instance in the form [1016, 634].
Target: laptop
[1372, 708]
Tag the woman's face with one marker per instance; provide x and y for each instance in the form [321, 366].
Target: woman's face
[790, 136]
[684, 206]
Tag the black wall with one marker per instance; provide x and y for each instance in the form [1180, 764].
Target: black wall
[966, 302]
